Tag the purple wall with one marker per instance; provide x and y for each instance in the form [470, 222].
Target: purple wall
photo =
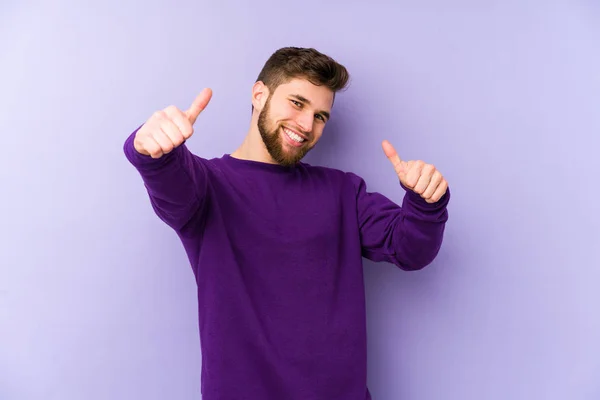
[97, 300]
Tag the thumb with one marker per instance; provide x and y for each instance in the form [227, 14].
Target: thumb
[392, 155]
[198, 105]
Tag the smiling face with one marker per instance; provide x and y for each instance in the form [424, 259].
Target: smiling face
[292, 119]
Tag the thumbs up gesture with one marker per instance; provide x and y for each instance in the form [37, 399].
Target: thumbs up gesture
[168, 128]
[423, 179]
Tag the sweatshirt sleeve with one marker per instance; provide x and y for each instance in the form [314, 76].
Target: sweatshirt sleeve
[176, 183]
[408, 236]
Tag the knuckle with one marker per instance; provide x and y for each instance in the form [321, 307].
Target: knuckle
[155, 152]
[170, 109]
[146, 139]
[159, 116]
[151, 133]
[150, 146]
[180, 140]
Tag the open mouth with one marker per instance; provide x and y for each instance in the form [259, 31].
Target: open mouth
[293, 137]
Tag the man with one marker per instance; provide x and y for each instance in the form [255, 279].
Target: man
[276, 245]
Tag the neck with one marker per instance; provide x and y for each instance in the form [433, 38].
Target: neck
[253, 147]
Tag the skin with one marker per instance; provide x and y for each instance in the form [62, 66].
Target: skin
[297, 105]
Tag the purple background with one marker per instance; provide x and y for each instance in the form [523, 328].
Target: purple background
[97, 300]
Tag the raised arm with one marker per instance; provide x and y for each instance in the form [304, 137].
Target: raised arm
[175, 179]
[409, 236]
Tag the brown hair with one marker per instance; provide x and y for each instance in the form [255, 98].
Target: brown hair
[295, 62]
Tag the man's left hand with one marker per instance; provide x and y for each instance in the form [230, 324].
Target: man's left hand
[423, 179]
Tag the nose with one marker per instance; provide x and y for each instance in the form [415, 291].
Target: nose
[305, 122]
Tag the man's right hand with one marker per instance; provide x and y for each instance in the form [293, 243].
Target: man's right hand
[169, 128]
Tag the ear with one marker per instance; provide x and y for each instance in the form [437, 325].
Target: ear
[260, 94]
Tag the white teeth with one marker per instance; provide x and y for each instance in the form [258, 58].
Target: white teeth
[293, 136]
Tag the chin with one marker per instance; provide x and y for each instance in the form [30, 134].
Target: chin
[281, 149]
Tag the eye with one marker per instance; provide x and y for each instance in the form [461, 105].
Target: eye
[296, 103]
[319, 116]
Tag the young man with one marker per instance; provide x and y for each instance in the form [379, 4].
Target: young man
[276, 245]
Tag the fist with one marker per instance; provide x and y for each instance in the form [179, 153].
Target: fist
[169, 128]
[423, 179]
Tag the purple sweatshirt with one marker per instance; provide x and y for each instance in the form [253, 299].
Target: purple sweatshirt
[277, 256]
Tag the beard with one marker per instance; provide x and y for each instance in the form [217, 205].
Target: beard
[271, 137]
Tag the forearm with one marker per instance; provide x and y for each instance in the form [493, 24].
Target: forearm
[176, 182]
[419, 230]
[409, 236]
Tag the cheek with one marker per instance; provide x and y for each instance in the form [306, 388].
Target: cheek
[290, 115]
[317, 134]
[283, 117]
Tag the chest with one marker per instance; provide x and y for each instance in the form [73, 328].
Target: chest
[300, 213]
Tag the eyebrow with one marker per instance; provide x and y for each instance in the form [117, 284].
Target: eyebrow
[305, 100]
